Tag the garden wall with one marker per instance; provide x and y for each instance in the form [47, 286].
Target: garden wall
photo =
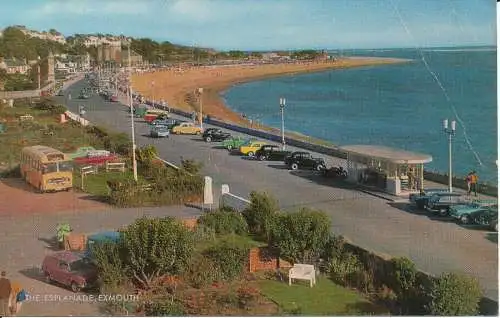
[75, 242]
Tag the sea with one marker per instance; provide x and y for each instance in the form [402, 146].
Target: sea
[399, 105]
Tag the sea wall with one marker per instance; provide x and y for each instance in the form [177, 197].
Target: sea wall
[458, 182]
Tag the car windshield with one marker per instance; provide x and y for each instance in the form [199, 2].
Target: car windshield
[80, 265]
[49, 168]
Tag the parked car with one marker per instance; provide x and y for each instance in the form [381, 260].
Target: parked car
[304, 160]
[81, 152]
[474, 213]
[159, 131]
[235, 143]
[250, 148]
[215, 134]
[83, 96]
[271, 153]
[70, 269]
[421, 199]
[95, 160]
[113, 98]
[186, 129]
[441, 202]
[60, 93]
[335, 172]
[166, 122]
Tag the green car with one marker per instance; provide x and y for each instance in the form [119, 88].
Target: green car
[474, 213]
[81, 152]
[235, 143]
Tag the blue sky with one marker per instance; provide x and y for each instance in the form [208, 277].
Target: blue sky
[269, 24]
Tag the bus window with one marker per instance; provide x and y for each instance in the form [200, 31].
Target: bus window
[65, 166]
[49, 168]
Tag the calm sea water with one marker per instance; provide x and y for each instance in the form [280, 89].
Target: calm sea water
[398, 105]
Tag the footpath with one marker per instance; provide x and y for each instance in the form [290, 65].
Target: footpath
[25, 240]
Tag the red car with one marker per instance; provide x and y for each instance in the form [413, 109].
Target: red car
[70, 269]
[113, 98]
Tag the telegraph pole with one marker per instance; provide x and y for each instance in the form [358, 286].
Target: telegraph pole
[200, 90]
[134, 161]
[450, 132]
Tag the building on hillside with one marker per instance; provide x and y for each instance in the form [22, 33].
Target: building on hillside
[270, 56]
[109, 52]
[56, 37]
[13, 66]
[135, 58]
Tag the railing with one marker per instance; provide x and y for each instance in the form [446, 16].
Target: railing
[228, 199]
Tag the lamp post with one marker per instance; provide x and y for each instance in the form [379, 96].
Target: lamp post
[38, 73]
[200, 91]
[129, 95]
[450, 131]
[282, 108]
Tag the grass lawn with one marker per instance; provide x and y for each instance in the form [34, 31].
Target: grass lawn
[95, 184]
[326, 298]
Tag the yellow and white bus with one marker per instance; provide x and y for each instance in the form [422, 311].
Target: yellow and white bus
[47, 169]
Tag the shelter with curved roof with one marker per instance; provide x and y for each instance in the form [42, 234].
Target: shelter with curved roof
[395, 171]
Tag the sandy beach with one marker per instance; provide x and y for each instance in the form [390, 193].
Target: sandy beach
[178, 86]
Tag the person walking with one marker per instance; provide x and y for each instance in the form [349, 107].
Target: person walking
[468, 179]
[473, 182]
[5, 290]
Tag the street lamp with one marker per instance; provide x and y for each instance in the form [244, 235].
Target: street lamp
[450, 131]
[282, 108]
[200, 91]
[129, 95]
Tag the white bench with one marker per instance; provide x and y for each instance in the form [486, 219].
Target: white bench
[304, 272]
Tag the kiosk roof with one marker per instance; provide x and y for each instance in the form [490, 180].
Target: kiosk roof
[387, 154]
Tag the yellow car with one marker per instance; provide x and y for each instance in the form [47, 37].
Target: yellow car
[186, 129]
[250, 148]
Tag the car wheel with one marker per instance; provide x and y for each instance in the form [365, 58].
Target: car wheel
[495, 227]
[250, 154]
[208, 139]
[229, 147]
[262, 158]
[294, 166]
[465, 219]
[48, 279]
[443, 211]
[40, 189]
[320, 168]
[74, 287]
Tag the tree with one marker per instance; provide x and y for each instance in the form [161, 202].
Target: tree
[454, 294]
[260, 214]
[301, 236]
[156, 247]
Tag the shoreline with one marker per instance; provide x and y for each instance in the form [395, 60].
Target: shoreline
[177, 87]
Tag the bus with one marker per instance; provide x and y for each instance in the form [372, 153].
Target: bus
[46, 169]
[152, 114]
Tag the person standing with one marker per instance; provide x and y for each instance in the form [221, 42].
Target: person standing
[18, 295]
[5, 290]
[473, 182]
[468, 179]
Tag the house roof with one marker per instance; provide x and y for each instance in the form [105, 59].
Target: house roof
[384, 153]
[14, 62]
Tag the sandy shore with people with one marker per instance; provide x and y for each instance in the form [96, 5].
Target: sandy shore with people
[178, 86]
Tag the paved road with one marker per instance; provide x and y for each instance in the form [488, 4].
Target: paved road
[391, 228]
[25, 239]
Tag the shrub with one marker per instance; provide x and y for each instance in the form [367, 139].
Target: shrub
[333, 248]
[191, 166]
[146, 153]
[224, 222]
[201, 272]
[344, 269]
[247, 296]
[109, 263]
[229, 259]
[261, 213]
[203, 234]
[118, 143]
[156, 247]
[14, 172]
[454, 295]
[301, 236]
[48, 104]
[165, 307]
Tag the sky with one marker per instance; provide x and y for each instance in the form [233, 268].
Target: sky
[268, 24]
